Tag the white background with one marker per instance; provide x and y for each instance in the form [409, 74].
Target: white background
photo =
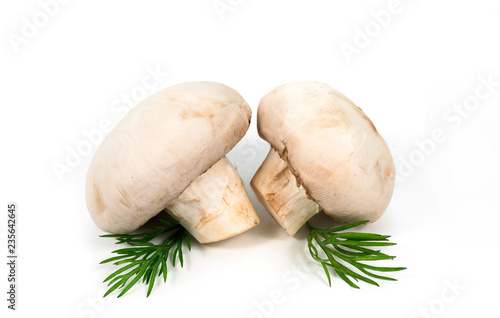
[69, 74]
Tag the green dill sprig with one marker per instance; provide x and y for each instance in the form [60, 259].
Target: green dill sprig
[349, 248]
[145, 260]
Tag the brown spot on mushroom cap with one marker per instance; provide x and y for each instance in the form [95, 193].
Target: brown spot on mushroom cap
[194, 113]
[367, 119]
[125, 200]
[99, 202]
[221, 104]
[332, 117]
[388, 173]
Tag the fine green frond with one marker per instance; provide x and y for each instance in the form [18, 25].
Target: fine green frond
[345, 251]
[145, 260]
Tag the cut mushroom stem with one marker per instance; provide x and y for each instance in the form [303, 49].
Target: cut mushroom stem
[215, 206]
[283, 197]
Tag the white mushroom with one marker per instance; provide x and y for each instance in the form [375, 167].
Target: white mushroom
[168, 152]
[325, 155]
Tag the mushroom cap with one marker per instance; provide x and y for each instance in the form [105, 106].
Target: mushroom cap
[159, 148]
[332, 148]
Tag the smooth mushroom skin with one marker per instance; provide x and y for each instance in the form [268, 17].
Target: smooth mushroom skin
[331, 147]
[159, 148]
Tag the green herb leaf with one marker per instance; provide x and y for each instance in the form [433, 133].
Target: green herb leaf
[351, 248]
[145, 260]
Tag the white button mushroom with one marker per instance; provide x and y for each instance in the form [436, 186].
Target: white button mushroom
[169, 152]
[325, 155]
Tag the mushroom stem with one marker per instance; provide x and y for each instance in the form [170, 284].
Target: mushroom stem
[278, 190]
[215, 206]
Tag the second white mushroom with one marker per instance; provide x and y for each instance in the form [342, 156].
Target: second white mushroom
[325, 154]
